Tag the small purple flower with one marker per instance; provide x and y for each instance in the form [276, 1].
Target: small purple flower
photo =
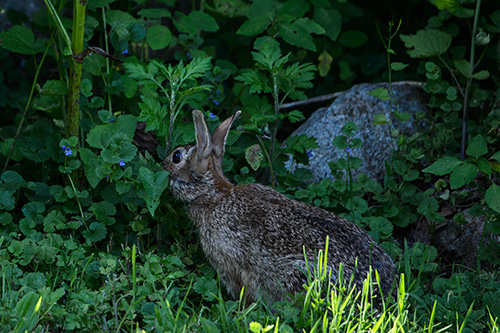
[122, 163]
[125, 51]
[67, 151]
[212, 116]
[348, 149]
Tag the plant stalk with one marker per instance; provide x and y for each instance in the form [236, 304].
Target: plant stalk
[469, 79]
[75, 76]
[28, 104]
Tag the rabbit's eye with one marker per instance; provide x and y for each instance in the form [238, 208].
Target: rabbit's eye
[176, 156]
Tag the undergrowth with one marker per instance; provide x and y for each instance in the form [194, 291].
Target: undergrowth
[96, 93]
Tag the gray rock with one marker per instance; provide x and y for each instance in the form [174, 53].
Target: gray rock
[357, 106]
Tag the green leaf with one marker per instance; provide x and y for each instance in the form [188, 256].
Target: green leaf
[203, 21]
[492, 197]
[20, 39]
[340, 142]
[330, 20]
[443, 166]
[153, 114]
[102, 135]
[463, 175]
[254, 156]
[427, 43]
[55, 88]
[381, 93]
[209, 326]
[46, 253]
[27, 312]
[464, 67]
[380, 225]
[185, 24]
[154, 13]
[154, 185]
[481, 75]
[86, 88]
[428, 205]
[158, 37]
[256, 81]
[255, 26]
[496, 156]
[5, 219]
[294, 8]
[54, 220]
[398, 66]
[380, 119]
[324, 63]
[7, 201]
[352, 38]
[484, 166]
[295, 116]
[206, 287]
[309, 25]
[92, 166]
[262, 8]
[12, 181]
[295, 34]
[93, 4]
[103, 211]
[96, 232]
[477, 147]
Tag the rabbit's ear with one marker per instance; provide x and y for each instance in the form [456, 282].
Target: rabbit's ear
[203, 144]
[220, 135]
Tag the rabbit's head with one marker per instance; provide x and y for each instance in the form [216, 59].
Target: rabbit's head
[196, 170]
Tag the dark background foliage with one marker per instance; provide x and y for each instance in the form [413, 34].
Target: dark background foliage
[90, 237]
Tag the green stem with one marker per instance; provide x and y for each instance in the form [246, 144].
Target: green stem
[469, 80]
[58, 23]
[267, 156]
[75, 77]
[28, 104]
[276, 122]
[106, 48]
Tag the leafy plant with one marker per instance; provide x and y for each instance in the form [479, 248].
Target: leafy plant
[181, 88]
[290, 80]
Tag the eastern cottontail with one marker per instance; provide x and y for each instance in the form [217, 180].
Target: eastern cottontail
[253, 235]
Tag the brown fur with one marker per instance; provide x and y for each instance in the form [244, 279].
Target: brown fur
[254, 236]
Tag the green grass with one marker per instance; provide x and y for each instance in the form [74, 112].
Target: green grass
[129, 294]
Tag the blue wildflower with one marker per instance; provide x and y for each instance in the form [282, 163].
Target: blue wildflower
[122, 163]
[189, 55]
[212, 116]
[67, 151]
[111, 120]
[348, 149]
[309, 153]
[218, 91]
[22, 63]
[125, 51]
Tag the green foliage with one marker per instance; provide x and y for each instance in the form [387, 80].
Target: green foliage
[90, 239]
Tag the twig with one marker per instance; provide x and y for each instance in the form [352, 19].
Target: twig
[324, 98]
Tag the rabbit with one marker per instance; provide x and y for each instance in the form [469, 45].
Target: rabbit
[254, 236]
